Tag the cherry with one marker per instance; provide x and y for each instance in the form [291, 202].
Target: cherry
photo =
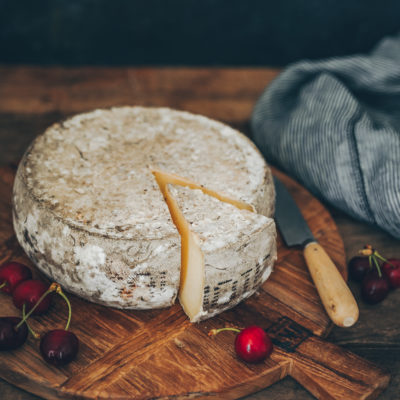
[374, 287]
[253, 344]
[12, 337]
[12, 274]
[358, 268]
[391, 268]
[29, 292]
[59, 347]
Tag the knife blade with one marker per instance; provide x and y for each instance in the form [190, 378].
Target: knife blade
[293, 227]
[335, 295]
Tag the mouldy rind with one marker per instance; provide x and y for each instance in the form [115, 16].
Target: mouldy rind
[89, 213]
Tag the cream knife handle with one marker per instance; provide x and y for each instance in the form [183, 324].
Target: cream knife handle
[336, 296]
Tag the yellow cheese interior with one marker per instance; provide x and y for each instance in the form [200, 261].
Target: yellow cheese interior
[192, 277]
[164, 178]
[191, 289]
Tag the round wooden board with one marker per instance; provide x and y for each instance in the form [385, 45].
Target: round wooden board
[160, 354]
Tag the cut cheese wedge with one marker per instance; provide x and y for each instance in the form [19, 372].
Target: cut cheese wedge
[221, 238]
[227, 252]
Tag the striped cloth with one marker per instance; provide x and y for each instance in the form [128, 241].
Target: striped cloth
[335, 126]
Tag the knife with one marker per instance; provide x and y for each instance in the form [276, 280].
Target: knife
[336, 296]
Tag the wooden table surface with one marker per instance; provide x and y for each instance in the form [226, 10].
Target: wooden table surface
[31, 98]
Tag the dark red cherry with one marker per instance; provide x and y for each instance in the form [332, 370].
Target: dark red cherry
[358, 268]
[12, 274]
[29, 292]
[374, 288]
[391, 269]
[253, 344]
[10, 336]
[59, 347]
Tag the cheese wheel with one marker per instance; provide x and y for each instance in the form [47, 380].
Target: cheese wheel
[89, 212]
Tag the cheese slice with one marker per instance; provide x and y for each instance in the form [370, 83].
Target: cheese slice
[227, 252]
[89, 212]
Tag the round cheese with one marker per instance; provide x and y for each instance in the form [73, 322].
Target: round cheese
[90, 214]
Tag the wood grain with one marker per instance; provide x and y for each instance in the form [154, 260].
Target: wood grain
[27, 90]
[159, 354]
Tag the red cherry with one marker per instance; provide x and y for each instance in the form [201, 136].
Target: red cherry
[29, 292]
[12, 274]
[374, 288]
[253, 344]
[10, 337]
[59, 347]
[392, 270]
[358, 268]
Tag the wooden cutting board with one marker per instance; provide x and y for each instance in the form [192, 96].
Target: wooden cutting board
[160, 354]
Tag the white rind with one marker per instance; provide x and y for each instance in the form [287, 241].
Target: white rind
[123, 273]
[239, 248]
[87, 209]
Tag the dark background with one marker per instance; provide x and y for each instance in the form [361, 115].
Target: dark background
[189, 32]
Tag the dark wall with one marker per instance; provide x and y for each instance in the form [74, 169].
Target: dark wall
[190, 32]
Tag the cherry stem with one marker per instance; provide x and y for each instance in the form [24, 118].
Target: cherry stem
[52, 288]
[383, 259]
[373, 255]
[61, 293]
[377, 266]
[214, 332]
[31, 331]
[3, 284]
[366, 252]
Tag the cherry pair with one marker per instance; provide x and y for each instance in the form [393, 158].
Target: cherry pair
[16, 279]
[376, 274]
[57, 347]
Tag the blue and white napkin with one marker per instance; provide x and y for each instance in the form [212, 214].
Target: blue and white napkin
[334, 125]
